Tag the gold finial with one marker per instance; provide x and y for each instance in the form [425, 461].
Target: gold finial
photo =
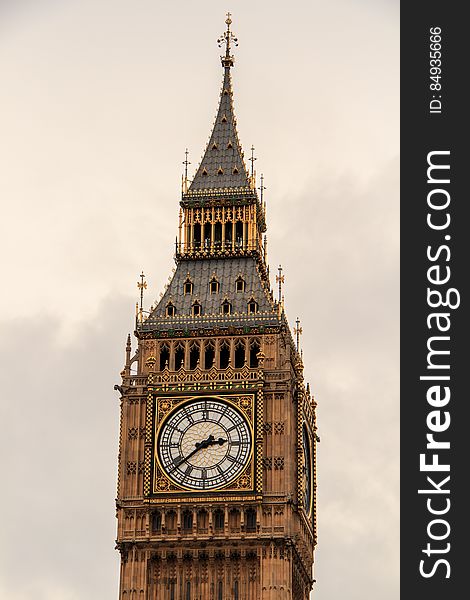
[142, 285]
[186, 162]
[227, 38]
[298, 332]
[261, 188]
[252, 160]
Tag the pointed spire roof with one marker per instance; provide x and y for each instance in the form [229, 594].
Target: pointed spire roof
[222, 165]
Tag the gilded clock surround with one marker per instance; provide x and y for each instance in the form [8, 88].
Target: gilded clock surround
[253, 538]
[164, 406]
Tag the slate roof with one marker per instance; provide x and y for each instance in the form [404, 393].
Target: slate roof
[222, 165]
[226, 272]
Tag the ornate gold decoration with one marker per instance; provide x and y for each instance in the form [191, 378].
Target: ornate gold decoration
[245, 404]
[150, 362]
[244, 482]
[164, 405]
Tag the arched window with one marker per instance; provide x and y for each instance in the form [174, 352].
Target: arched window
[228, 234]
[252, 306]
[250, 520]
[214, 285]
[235, 590]
[179, 356]
[202, 521]
[239, 354]
[254, 350]
[188, 590]
[157, 521]
[164, 356]
[170, 521]
[240, 284]
[194, 356]
[207, 235]
[226, 307]
[239, 233]
[188, 286]
[219, 519]
[196, 309]
[197, 235]
[234, 520]
[218, 234]
[172, 589]
[187, 520]
[170, 310]
[209, 355]
[220, 591]
[224, 354]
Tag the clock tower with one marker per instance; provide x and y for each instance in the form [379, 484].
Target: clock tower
[216, 474]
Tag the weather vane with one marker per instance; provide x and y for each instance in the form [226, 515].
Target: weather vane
[280, 281]
[227, 38]
[298, 332]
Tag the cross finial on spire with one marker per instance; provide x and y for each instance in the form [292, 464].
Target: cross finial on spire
[142, 285]
[298, 332]
[186, 162]
[280, 281]
[261, 188]
[252, 160]
[227, 38]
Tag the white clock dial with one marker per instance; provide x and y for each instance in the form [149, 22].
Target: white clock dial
[204, 444]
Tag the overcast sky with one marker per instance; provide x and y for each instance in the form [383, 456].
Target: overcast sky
[98, 101]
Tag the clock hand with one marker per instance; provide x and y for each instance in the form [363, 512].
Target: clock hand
[185, 459]
[211, 441]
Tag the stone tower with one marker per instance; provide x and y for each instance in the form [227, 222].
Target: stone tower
[216, 475]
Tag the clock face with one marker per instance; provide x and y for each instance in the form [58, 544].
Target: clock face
[307, 471]
[204, 444]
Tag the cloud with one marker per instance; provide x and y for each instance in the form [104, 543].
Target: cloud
[58, 450]
[343, 280]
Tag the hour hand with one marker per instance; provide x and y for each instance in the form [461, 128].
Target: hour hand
[220, 441]
[210, 441]
[204, 443]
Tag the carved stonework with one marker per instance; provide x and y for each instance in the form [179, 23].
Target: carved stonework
[267, 463]
[132, 433]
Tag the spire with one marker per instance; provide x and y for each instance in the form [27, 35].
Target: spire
[222, 165]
